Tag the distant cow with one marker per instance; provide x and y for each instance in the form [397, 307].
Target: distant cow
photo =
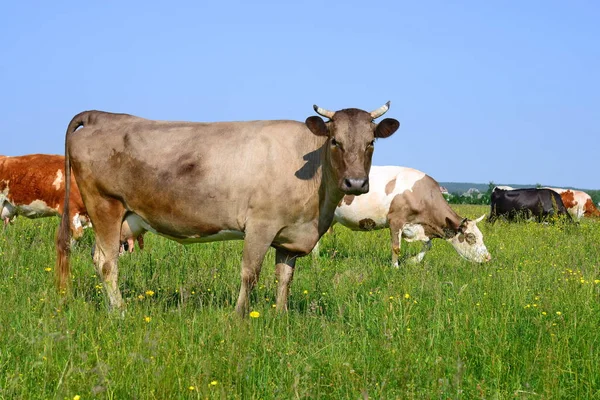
[577, 202]
[410, 203]
[34, 186]
[526, 203]
[271, 183]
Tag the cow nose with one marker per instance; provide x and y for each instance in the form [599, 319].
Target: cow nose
[356, 185]
[488, 257]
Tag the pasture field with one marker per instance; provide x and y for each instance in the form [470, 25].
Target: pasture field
[526, 325]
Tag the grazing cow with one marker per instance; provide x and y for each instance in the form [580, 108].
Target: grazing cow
[527, 203]
[410, 203]
[577, 202]
[34, 186]
[271, 183]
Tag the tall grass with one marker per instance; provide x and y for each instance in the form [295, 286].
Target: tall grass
[524, 325]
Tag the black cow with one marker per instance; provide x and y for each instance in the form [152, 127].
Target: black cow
[526, 203]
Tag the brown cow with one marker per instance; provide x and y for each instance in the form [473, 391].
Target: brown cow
[34, 186]
[577, 202]
[271, 183]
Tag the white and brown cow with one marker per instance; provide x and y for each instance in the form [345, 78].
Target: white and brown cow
[410, 203]
[271, 183]
[578, 203]
[33, 186]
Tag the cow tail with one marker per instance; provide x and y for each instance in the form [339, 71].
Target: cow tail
[63, 236]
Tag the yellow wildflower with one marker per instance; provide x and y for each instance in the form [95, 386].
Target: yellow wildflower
[214, 383]
[48, 269]
[192, 388]
[147, 319]
[558, 313]
[254, 314]
[149, 293]
[406, 296]
[76, 397]
[305, 292]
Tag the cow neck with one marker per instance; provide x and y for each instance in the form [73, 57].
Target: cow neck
[329, 193]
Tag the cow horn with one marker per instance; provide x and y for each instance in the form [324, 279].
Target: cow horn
[323, 112]
[380, 111]
[480, 218]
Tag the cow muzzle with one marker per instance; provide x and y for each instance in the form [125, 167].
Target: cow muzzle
[355, 185]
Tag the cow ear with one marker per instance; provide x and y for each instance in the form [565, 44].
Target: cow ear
[450, 230]
[317, 126]
[386, 128]
[463, 225]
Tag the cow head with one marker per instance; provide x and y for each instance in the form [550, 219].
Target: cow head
[351, 138]
[468, 241]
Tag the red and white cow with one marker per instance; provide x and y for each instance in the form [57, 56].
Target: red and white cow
[410, 203]
[34, 186]
[577, 202]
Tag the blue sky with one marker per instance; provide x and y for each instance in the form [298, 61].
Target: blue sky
[504, 91]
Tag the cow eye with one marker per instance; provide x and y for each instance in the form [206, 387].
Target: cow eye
[335, 142]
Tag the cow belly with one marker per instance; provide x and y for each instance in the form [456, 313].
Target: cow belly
[36, 209]
[220, 236]
[137, 225]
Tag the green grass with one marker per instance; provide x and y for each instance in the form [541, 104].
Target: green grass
[525, 325]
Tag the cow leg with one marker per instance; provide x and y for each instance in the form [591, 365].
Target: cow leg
[315, 254]
[106, 216]
[419, 257]
[284, 270]
[256, 245]
[140, 240]
[396, 232]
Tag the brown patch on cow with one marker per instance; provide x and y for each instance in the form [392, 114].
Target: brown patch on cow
[590, 210]
[348, 199]
[568, 199]
[391, 185]
[367, 224]
[186, 169]
[106, 269]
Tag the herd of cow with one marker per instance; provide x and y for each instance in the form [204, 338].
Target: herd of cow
[278, 184]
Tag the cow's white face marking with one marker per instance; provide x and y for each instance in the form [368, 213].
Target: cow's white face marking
[469, 243]
[58, 181]
[8, 211]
